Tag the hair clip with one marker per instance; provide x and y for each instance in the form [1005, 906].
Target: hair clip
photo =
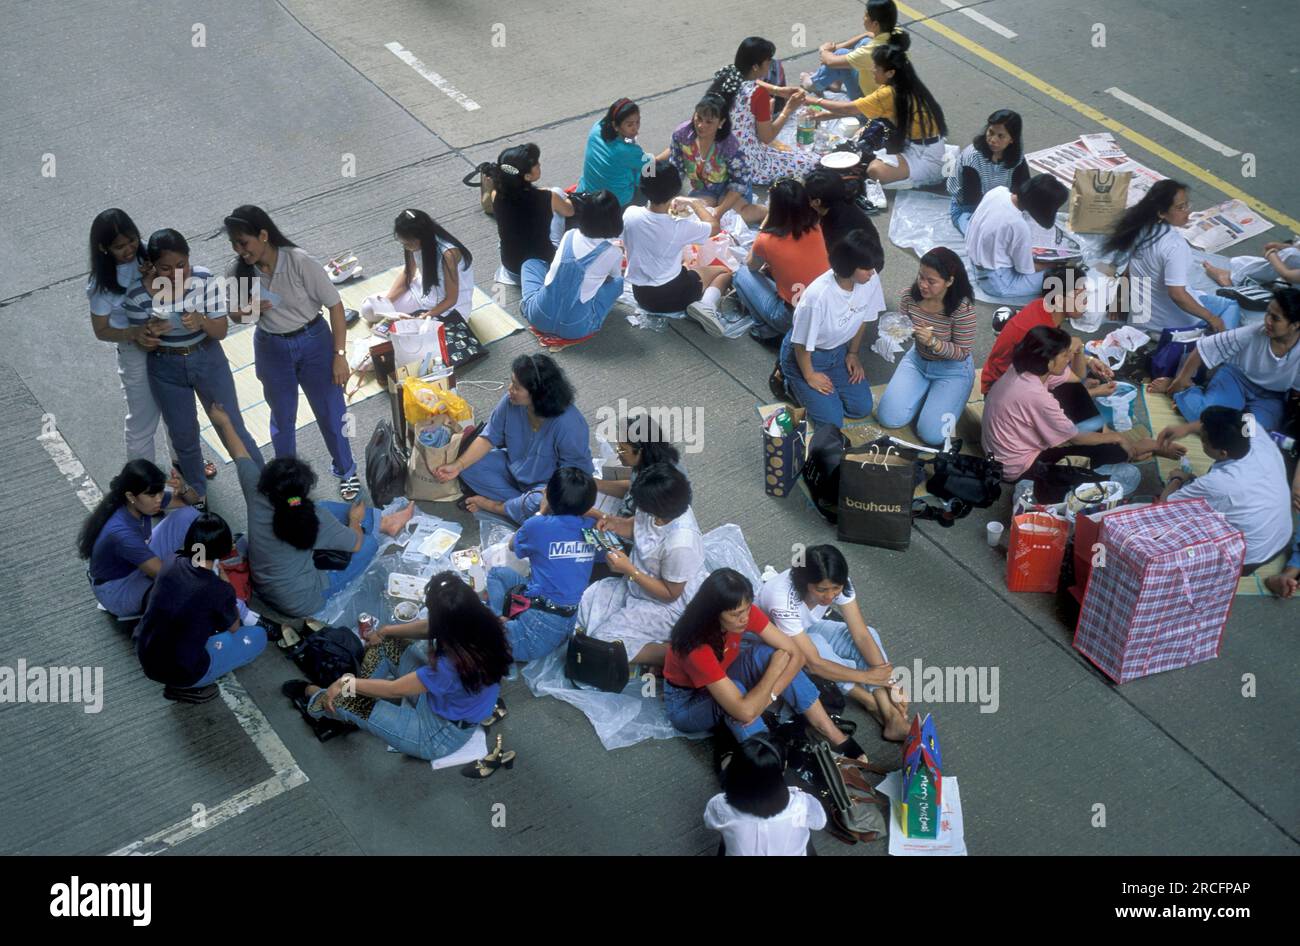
[409, 214]
[509, 168]
[294, 500]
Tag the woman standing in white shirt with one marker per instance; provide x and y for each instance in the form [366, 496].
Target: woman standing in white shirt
[1158, 264]
[819, 355]
[448, 263]
[756, 813]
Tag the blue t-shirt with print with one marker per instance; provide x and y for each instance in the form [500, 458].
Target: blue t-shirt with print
[561, 559]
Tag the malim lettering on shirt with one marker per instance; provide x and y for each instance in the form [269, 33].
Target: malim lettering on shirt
[77, 899]
[579, 550]
[24, 684]
[949, 685]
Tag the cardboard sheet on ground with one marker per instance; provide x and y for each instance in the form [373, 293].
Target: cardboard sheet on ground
[951, 841]
[488, 320]
[624, 719]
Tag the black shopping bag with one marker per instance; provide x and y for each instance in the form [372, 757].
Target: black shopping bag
[876, 499]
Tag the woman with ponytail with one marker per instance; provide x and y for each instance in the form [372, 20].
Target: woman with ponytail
[293, 345]
[286, 529]
[125, 541]
[614, 161]
[427, 248]
[849, 63]
[916, 143]
[753, 123]
[527, 217]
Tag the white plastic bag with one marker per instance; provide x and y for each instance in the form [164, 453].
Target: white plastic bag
[1121, 407]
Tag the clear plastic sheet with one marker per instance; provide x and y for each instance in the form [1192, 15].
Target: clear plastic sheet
[624, 719]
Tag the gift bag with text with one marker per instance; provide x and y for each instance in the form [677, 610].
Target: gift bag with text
[876, 499]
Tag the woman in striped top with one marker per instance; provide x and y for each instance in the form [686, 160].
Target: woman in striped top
[996, 158]
[186, 310]
[934, 378]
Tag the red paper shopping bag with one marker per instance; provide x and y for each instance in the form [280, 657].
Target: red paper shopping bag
[1035, 552]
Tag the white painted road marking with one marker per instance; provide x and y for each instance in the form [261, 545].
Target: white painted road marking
[979, 18]
[1211, 143]
[286, 774]
[460, 98]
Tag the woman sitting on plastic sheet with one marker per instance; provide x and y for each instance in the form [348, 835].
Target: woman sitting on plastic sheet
[613, 160]
[534, 429]
[1000, 240]
[426, 248]
[660, 576]
[994, 159]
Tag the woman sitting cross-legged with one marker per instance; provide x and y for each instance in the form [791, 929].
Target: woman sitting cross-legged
[1027, 431]
[124, 546]
[286, 529]
[819, 355]
[572, 297]
[193, 629]
[437, 274]
[1000, 241]
[662, 574]
[526, 216]
[849, 652]
[424, 686]
[790, 246]
[643, 447]
[933, 380]
[613, 160]
[534, 429]
[560, 560]
[756, 813]
[712, 161]
[994, 159]
[714, 673]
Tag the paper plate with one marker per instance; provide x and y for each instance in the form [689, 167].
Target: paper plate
[840, 160]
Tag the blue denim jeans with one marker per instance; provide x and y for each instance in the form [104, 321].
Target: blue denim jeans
[123, 597]
[960, 216]
[835, 643]
[534, 633]
[174, 380]
[826, 76]
[847, 399]
[1006, 283]
[938, 390]
[558, 310]
[760, 299]
[697, 711]
[362, 557]
[1226, 309]
[411, 726]
[1294, 560]
[231, 650]
[1228, 387]
[307, 361]
[491, 478]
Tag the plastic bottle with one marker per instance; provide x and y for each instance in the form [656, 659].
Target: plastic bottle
[1185, 464]
[1282, 440]
[805, 129]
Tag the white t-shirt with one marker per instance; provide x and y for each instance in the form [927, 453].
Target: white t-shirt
[782, 835]
[104, 302]
[673, 552]
[999, 235]
[1158, 264]
[828, 317]
[1252, 495]
[607, 264]
[429, 298]
[785, 607]
[1248, 350]
[654, 244]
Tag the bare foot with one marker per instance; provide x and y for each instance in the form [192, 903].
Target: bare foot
[1283, 585]
[1217, 273]
[483, 504]
[896, 729]
[395, 522]
[1160, 385]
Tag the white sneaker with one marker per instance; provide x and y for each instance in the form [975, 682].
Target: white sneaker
[504, 277]
[707, 316]
[876, 194]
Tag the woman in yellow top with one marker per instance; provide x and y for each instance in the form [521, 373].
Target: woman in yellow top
[916, 144]
[848, 64]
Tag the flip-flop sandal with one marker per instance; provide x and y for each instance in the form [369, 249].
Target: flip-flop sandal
[349, 488]
[209, 470]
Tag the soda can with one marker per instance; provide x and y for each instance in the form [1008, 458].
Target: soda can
[365, 624]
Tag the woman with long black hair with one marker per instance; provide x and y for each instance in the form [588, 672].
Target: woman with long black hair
[749, 103]
[613, 160]
[442, 673]
[427, 248]
[294, 347]
[525, 214]
[790, 247]
[712, 674]
[534, 430]
[918, 138]
[996, 158]
[1159, 267]
[125, 541]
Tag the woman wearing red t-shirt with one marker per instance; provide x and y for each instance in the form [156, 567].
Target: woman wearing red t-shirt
[710, 677]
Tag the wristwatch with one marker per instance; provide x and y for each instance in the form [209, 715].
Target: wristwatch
[341, 352]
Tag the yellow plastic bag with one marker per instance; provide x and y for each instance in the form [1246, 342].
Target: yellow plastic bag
[424, 400]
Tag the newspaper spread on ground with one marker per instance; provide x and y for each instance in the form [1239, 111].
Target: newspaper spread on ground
[1063, 160]
[1222, 225]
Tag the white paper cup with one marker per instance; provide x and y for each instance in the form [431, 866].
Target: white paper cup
[993, 533]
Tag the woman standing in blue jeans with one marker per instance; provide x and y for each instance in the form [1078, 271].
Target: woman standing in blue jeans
[934, 378]
[187, 315]
[716, 671]
[443, 675]
[819, 355]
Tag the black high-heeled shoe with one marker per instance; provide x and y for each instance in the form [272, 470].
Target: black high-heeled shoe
[485, 767]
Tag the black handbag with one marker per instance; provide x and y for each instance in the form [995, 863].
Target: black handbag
[973, 480]
[331, 560]
[386, 460]
[596, 663]
[821, 471]
[330, 653]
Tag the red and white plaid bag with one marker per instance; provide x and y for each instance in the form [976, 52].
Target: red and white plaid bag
[1161, 598]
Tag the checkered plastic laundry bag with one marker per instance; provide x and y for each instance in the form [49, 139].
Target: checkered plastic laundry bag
[1161, 591]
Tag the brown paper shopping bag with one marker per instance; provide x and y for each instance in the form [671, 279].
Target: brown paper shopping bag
[1098, 199]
